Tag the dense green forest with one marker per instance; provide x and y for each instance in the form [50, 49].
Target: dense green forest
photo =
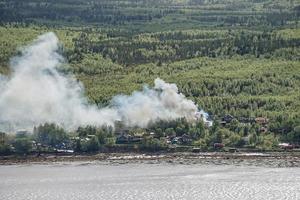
[232, 57]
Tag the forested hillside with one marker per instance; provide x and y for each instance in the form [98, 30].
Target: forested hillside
[232, 57]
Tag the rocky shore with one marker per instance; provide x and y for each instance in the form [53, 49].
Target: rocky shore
[271, 159]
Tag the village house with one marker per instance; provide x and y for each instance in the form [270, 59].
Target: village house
[262, 120]
[128, 139]
[286, 146]
[246, 120]
[186, 139]
[182, 140]
[122, 139]
[226, 119]
[218, 145]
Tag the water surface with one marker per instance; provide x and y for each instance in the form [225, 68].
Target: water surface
[146, 181]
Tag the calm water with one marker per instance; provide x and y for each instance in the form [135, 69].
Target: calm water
[147, 181]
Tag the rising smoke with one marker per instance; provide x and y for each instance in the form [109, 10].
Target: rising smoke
[36, 93]
[162, 102]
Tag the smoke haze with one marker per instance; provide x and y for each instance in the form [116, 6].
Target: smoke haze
[36, 93]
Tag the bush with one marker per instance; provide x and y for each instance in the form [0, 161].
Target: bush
[90, 144]
[268, 142]
[152, 144]
[202, 144]
[22, 145]
[5, 149]
[50, 134]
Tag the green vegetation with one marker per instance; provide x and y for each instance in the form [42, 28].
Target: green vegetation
[22, 144]
[236, 57]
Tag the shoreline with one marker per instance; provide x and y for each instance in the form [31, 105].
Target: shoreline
[269, 159]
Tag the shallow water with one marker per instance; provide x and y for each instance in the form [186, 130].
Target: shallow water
[146, 181]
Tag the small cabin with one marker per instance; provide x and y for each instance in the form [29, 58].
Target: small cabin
[286, 146]
[186, 139]
[261, 120]
[227, 118]
[218, 145]
[196, 150]
[122, 139]
[127, 139]
[246, 120]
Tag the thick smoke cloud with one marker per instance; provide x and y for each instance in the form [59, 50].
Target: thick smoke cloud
[36, 92]
[163, 102]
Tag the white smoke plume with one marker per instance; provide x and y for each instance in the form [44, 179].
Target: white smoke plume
[36, 93]
[161, 103]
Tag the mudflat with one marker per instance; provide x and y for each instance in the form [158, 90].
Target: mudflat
[270, 159]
